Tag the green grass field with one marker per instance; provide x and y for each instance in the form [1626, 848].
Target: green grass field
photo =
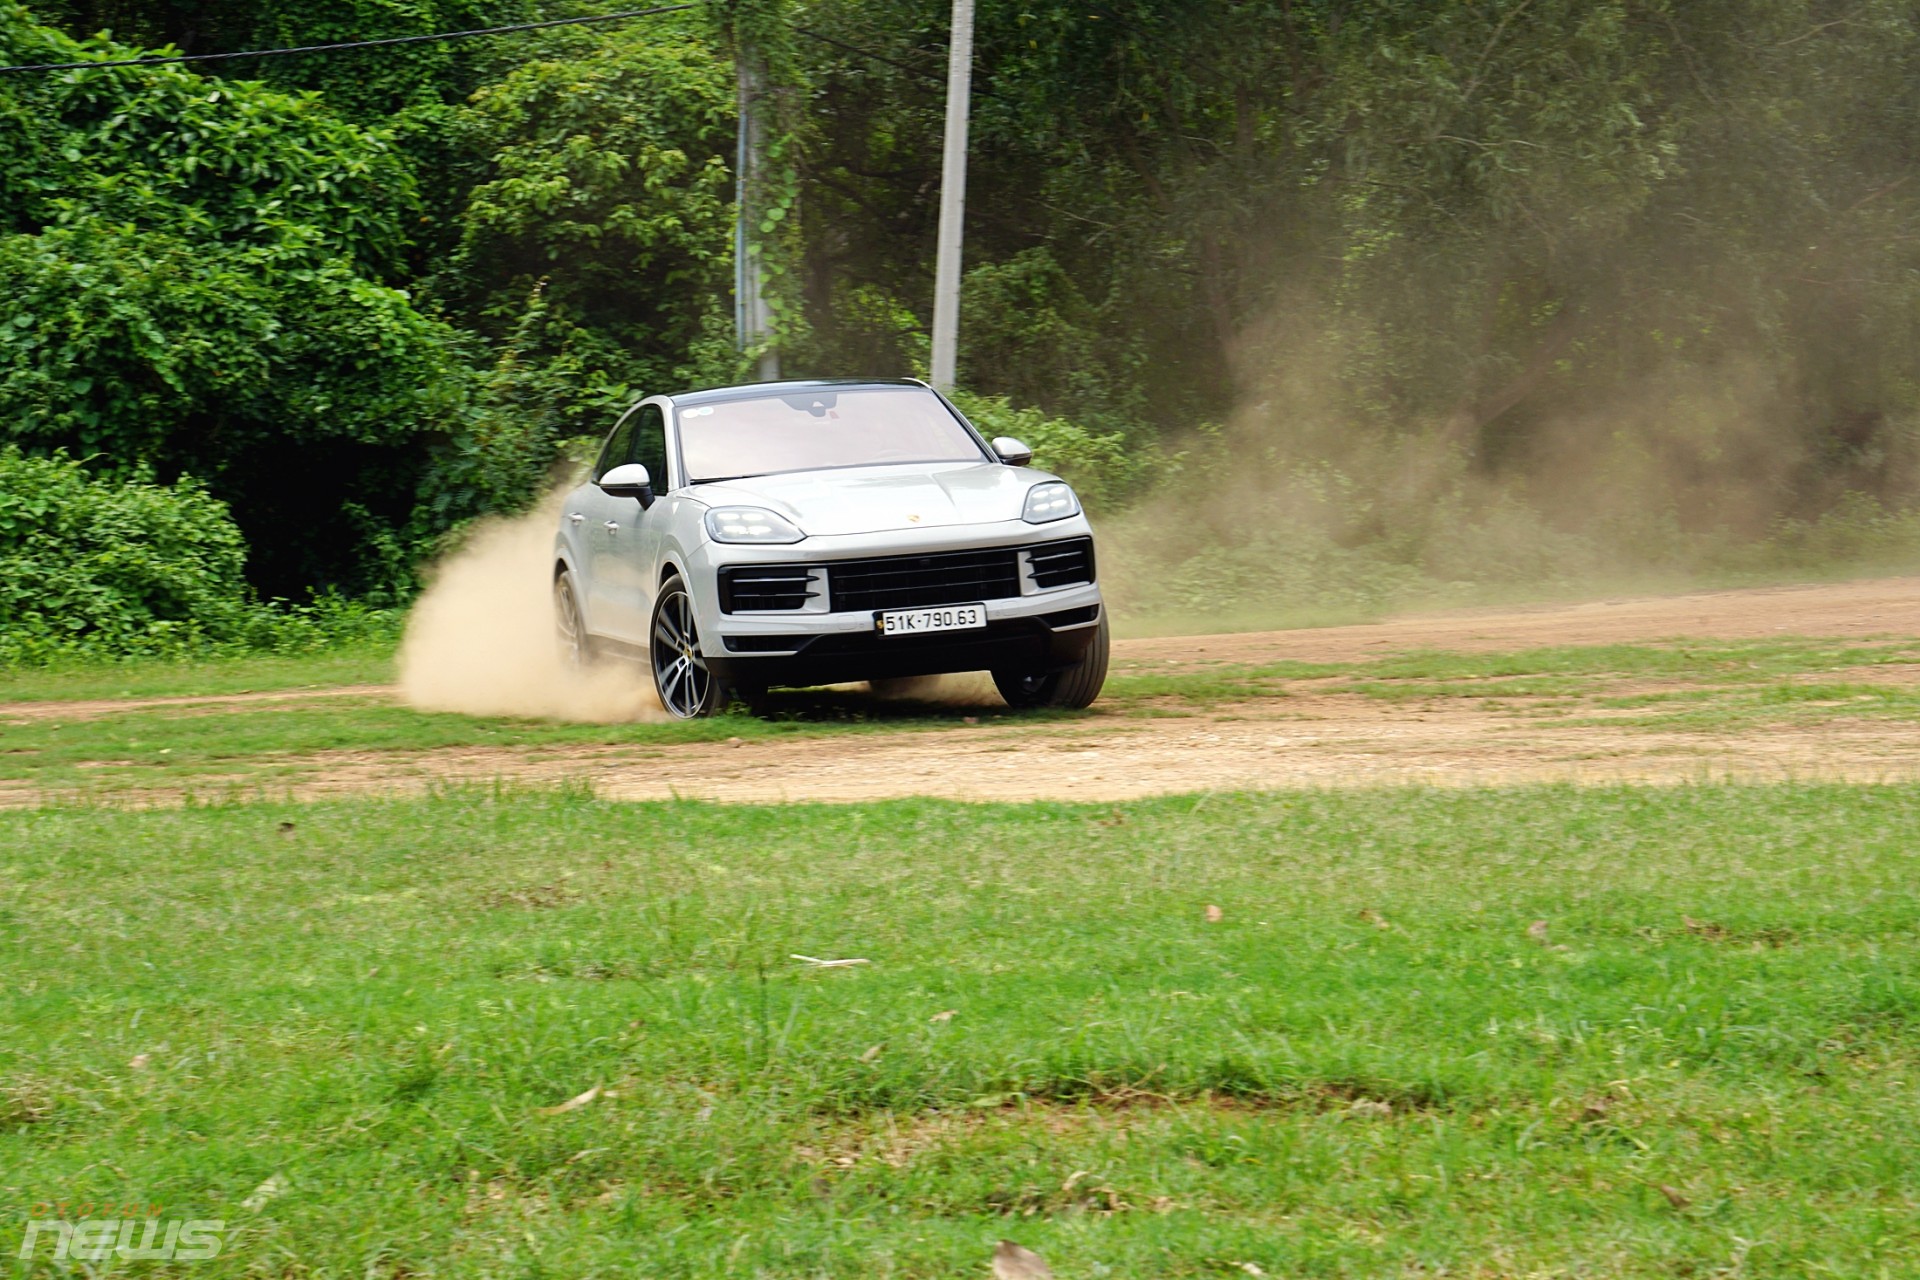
[370, 662]
[1366, 1067]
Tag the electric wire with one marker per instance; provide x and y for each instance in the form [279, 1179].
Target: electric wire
[924, 73]
[345, 45]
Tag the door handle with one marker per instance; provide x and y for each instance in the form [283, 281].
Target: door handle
[613, 526]
[576, 517]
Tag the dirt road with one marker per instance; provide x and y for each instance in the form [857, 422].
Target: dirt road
[1324, 739]
[1874, 607]
[1316, 734]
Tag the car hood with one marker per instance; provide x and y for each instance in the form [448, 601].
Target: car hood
[875, 499]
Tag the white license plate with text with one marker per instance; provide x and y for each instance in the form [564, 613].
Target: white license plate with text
[913, 622]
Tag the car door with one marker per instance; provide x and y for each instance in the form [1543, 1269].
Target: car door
[624, 534]
[596, 519]
[630, 533]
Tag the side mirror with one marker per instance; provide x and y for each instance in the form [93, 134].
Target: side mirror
[628, 480]
[1011, 451]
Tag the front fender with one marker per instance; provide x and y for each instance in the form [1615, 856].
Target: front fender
[565, 559]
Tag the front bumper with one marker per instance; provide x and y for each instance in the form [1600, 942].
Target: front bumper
[1029, 644]
[1038, 630]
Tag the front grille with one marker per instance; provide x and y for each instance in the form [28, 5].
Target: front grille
[755, 587]
[912, 582]
[1060, 564]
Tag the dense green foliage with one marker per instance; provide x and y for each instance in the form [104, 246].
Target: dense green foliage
[86, 562]
[205, 275]
[93, 567]
[1465, 293]
[199, 277]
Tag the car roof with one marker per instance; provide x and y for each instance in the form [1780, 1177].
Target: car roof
[755, 390]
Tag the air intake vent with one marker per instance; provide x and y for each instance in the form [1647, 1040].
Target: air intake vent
[1061, 564]
[748, 588]
[910, 582]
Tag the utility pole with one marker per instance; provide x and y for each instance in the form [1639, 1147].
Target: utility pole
[752, 319]
[953, 197]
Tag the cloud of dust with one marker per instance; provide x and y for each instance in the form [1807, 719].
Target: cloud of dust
[1325, 500]
[480, 640]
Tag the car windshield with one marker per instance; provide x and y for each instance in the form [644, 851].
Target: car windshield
[810, 430]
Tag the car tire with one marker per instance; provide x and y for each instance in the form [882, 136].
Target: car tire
[688, 690]
[570, 625]
[1071, 689]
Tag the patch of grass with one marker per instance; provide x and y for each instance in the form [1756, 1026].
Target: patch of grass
[221, 749]
[1680, 659]
[1573, 669]
[1761, 669]
[1420, 690]
[169, 746]
[1747, 708]
[370, 662]
[1367, 1066]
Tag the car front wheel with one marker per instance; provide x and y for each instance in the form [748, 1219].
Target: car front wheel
[1070, 689]
[686, 687]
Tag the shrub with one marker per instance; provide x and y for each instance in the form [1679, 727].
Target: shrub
[104, 567]
[1858, 529]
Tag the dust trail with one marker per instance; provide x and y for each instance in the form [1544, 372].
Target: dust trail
[962, 689]
[481, 638]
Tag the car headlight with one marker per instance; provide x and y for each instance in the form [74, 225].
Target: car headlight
[1054, 501]
[750, 524]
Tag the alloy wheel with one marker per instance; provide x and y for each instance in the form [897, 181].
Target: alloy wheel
[679, 672]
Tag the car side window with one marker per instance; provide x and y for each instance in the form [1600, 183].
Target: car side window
[650, 445]
[618, 449]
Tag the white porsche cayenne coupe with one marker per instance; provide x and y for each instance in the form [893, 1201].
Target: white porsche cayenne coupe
[800, 533]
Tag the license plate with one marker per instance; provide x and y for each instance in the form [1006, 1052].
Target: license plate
[913, 622]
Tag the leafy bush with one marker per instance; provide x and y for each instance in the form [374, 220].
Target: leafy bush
[293, 387]
[99, 568]
[93, 565]
[164, 148]
[1858, 529]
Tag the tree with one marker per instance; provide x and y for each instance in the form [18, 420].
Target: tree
[595, 249]
[197, 276]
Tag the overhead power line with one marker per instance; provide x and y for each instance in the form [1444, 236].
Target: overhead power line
[348, 45]
[823, 38]
[356, 44]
